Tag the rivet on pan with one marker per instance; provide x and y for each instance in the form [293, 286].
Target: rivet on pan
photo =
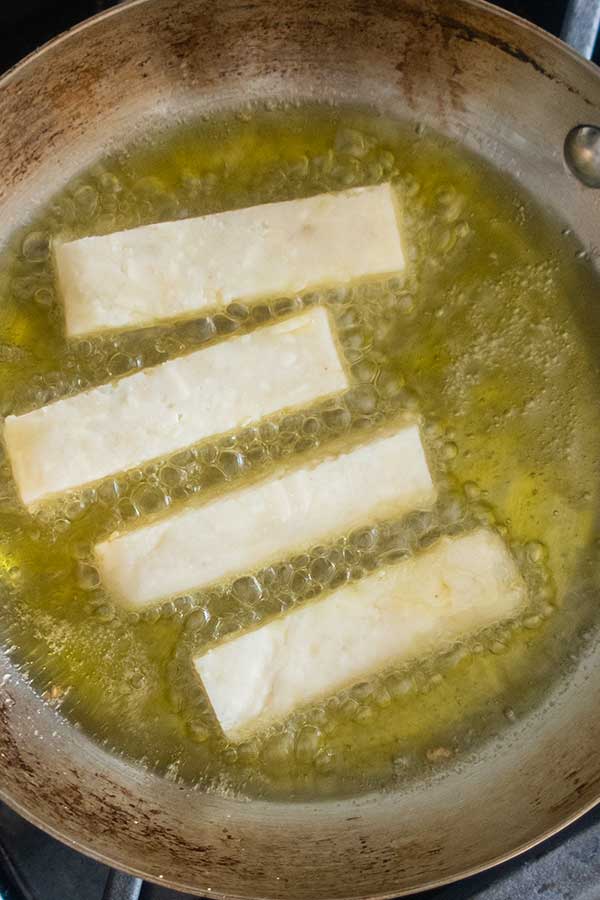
[582, 154]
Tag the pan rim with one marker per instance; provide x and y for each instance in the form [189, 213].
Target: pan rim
[107, 859]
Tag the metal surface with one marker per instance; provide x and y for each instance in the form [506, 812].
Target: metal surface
[567, 867]
[120, 886]
[582, 154]
[434, 61]
[581, 26]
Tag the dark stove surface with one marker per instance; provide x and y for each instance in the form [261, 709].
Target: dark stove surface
[34, 866]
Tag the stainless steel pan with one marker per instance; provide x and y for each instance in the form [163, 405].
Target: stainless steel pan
[503, 88]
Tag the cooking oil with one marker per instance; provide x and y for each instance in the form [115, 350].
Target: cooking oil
[491, 338]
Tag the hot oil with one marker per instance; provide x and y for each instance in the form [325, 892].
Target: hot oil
[489, 337]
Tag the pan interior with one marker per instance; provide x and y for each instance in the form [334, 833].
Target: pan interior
[492, 338]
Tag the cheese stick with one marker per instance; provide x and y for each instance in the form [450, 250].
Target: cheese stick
[117, 426]
[174, 269]
[268, 521]
[418, 607]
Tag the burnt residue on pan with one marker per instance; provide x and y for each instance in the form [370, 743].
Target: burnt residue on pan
[467, 33]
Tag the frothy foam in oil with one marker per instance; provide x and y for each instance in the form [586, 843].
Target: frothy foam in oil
[490, 337]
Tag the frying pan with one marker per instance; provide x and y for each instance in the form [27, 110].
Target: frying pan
[507, 91]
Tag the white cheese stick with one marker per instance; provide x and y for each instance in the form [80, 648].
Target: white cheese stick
[174, 269]
[268, 521]
[140, 417]
[416, 608]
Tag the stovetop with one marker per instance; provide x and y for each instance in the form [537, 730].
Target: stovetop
[34, 866]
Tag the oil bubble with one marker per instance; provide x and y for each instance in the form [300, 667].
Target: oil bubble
[363, 399]
[285, 305]
[450, 450]
[86, 201]
[325, 760]
[238, 311]
[260, 313]
[471, 490]
[25, 287]
[351, 143]
[44, 297]
[535, 552]
[231, 463]
[336, 419]
[322, 570]
[405, 303]
[127, 510]
[364, 538]
[168, 610]
[257, 454]
[365, 371]
[149, 499]
[208, 454]
[278, 748]
[198, 619]
[121, 363]
[268, 432]
[284, 573]
[224, 324]
[110, 183]
[390, 386]
[301, 582]
[363, 690]
[307, 744]
[290, 424]
[247, 589]
[172, 476]
[198, 330]
[105, 613]
[36, 246]
[74, 509]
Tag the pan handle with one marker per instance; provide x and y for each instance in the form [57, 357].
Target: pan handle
[120, 886]
[581, 26]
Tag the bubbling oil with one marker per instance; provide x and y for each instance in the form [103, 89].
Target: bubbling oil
[489, 338]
